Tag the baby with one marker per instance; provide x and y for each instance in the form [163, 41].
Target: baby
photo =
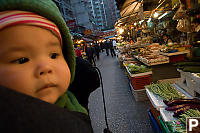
[36, 51]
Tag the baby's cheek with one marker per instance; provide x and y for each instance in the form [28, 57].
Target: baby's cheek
[65, 77]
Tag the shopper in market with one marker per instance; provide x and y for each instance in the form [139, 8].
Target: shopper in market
[36, 67]
[112, 50]
[86, 80]
[78, 51]
[90, 53]
[97, 49]
[107, 44]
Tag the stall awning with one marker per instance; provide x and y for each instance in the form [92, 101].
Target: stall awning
[87, 39]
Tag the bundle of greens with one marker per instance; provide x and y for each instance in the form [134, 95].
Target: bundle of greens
[135, 69]
[189, 66]
[165, 91]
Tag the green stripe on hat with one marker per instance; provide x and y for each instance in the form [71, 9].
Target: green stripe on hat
[49, 10]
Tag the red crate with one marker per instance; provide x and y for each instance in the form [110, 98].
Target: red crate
[175, 58]
[140, 81]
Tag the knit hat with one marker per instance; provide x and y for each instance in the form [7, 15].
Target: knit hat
[49, 10]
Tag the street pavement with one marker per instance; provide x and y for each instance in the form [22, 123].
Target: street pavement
[124, 114]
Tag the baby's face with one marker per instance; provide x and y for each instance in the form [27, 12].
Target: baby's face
[31, 62]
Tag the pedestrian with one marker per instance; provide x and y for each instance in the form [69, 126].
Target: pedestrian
[39, 61]
[112, 51]
[97, 50]
[90, 51]
[86, 80]
[102, 46]
[78, 51]
[107, 46]
[114, 44]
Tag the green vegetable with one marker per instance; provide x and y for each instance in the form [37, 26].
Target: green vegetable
[193, 69]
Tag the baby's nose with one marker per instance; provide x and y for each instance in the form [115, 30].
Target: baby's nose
[44, 69]
[45, 72]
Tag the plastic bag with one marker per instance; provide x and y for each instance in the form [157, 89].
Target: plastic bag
[181, 13]
[184, 25]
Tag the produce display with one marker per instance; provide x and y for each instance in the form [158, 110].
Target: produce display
[172, 47]
[176, 127]
[189, 113]
[165, 90]
[181, 106]
[150, 54]
[135, 69]
[189, 66]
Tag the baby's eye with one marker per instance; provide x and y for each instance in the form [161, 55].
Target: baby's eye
[54, 55]
[21, 60]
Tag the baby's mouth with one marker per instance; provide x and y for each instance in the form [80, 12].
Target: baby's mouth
[49, 85]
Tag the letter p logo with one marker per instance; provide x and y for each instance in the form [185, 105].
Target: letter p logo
[193, 123]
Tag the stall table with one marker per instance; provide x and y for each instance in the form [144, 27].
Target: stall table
[176, 56]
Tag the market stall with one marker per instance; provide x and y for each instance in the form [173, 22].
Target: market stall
[160, 54]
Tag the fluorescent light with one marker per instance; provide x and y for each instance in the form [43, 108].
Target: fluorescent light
[162, 15]
[149, 20]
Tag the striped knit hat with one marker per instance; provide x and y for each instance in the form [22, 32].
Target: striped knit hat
[42, 9]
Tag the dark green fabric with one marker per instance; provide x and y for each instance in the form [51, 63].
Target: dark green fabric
[49, 10]
[69, 101]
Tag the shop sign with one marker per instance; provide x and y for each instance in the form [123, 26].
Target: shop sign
[71, 24]
[193, 124]
[88, 32]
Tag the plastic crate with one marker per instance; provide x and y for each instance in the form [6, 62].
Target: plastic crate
[155, 113]
[140, 81]
[139, 95]
[176, 58]
[154, 124]
[163, 126]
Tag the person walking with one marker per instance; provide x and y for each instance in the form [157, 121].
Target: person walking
[114, 44]
[107, 46]
[97, 50]
[90, 51]
[112, 51]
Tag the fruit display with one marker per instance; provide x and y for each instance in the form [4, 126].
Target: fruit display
[165, 90]
[135, 69]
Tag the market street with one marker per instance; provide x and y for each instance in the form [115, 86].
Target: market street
[125, 115]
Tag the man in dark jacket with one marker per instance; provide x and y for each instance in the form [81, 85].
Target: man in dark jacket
[90, 51]
[86, 81]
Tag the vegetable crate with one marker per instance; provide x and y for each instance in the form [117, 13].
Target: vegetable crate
[154, 112]
[154, 124]
[176, 58]
[139, 95]
[140, 81]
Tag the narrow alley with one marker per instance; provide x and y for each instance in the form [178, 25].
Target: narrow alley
[125, 115]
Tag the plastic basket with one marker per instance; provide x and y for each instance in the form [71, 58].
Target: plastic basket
[176, 58]
[154, 124]
[140, 81]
